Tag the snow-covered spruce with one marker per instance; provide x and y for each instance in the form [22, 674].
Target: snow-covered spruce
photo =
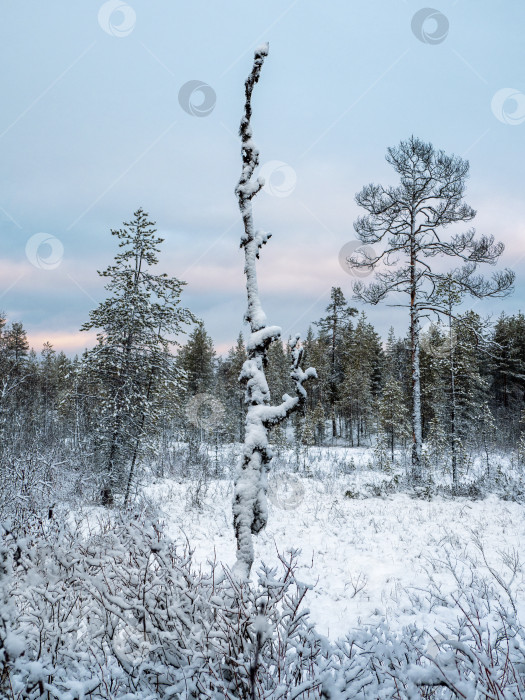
[249, 506]
[131, 367]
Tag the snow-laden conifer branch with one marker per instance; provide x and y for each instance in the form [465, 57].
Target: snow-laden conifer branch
[250, 511]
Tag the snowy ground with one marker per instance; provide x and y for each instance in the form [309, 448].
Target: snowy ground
[367, 557]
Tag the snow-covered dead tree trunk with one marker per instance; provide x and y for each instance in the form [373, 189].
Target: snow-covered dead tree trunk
[250, 511]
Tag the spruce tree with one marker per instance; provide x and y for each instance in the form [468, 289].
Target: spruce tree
[506, 369]
[363, 356]
[197, 360]
[230, 392]
[397, 360]
[318, 418]
[331, 333]
[16, 343]
[131, 361]
[278, 370]
[14, 382]
[315, 353]
[204, 412]
[455, 389]
[471, 386]
[393, 416]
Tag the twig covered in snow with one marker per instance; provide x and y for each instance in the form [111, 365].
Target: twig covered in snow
[117, 610]
[249, 506]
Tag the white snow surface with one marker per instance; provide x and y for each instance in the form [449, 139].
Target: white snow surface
[362, 555]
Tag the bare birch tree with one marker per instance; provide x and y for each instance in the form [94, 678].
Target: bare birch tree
[250, 511]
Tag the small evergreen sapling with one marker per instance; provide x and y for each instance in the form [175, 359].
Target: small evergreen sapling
[392, 415]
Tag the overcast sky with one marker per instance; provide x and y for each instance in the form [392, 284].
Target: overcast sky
[92, 127]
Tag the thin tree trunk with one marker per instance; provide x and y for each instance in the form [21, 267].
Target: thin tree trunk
[358, 425]
[131, 472]
[332, 391]
[417, 439]
[139, 434]
[453, 408]
[107, 493]
[110, 483]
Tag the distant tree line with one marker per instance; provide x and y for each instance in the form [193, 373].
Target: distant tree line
[69, 407]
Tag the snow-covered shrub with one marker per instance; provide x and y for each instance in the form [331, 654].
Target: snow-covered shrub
[197, 491]
[119, 611]
[382, 457]
[10, 644]
[27, 482]
[34, 480]
[349, 466]
[480, 653]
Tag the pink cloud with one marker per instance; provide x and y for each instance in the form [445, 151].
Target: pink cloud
[74, 342]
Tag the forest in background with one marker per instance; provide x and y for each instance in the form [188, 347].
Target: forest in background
[53, 408]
